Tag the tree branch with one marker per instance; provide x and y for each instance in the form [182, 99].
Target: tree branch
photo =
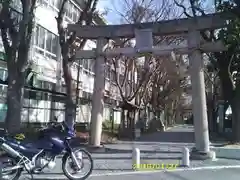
[116, 80]
[61, 30]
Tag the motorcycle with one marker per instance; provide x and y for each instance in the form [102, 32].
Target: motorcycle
[35, 156]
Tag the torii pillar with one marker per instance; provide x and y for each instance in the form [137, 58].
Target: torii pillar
[202, 150]
[98, 95]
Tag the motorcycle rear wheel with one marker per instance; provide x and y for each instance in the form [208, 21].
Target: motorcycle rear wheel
[66, 160]
[7, 162]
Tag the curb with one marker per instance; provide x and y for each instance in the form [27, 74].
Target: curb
[228, 153]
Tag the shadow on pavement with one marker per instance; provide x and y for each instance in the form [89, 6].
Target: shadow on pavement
[114, 169]
[142, 158]
[177, 176]
[43, 176]
[171, 136]
[119, 151]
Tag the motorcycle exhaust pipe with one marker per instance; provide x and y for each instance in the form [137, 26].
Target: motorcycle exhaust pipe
[8, 149]
[4, 170]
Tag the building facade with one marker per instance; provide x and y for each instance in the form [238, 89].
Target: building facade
[43, 98]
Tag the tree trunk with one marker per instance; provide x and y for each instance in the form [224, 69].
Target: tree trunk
[210, 111]
[122, 123]
[14, 100]
[53, 105]
[70, 113]
[70, 106]
[235, 105]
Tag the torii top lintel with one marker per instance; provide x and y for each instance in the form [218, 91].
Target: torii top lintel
[170, 27]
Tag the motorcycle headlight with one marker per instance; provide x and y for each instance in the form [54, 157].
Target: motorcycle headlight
[71, 133]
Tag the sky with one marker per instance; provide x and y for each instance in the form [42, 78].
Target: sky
[112, 16]
[115, 7]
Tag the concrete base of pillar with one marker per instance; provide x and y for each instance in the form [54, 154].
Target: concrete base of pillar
[198, 155]
[99, 149]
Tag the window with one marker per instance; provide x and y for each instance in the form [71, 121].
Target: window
[46, 42]
[81, 62]
[2, 54]
[85, 63]
[3, 74]
[39, 83]
[86, 95]
[17, 5]
[43, 2]
[63, 88]
[47, 85]
[75, 14]
[90, 65]
[112, 76]
[72, 12]
[54, 47]
[55, 3]
[3, 90]
[68, 7]
[107, 71]
[40, 37]
[36, 35]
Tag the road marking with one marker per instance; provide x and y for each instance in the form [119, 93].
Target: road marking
[175, 170]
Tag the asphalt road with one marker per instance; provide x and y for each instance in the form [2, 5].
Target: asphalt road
[215, 174]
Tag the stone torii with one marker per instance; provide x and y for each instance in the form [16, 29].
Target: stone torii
[143, 33]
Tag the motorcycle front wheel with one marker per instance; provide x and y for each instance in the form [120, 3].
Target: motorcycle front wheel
[8, 162]
[71, 170]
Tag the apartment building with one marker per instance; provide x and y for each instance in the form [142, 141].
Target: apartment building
[46, 69]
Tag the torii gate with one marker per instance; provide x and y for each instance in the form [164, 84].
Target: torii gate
[144, 44]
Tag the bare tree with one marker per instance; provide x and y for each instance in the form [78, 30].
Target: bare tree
[131, 91]
[16, 31]
[70, 44]
[168, 87]
[224, 62]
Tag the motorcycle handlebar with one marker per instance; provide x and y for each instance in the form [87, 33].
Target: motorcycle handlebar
[63, 125]
[55, 124]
